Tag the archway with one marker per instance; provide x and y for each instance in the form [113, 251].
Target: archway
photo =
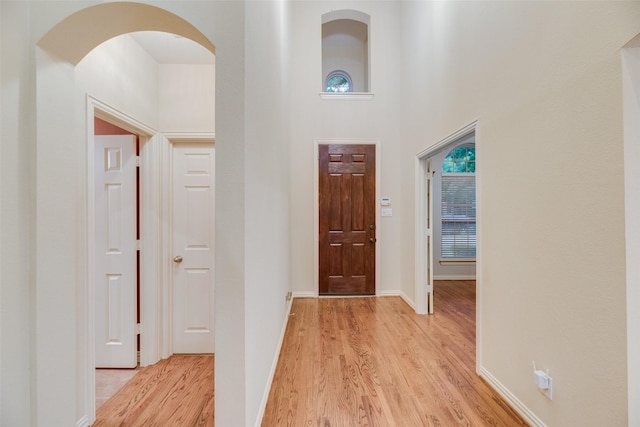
[63, 343]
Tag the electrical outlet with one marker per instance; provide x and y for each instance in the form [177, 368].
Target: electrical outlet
[288, 296]
[543, 381]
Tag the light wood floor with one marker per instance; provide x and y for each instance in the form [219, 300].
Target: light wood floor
[175, 392]
[372, 361]
[344, 362]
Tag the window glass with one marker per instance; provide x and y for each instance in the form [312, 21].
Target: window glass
[458, 204]
[338, 81]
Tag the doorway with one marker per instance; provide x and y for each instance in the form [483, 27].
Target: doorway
[347, 219]
[64, 347]
[426, 221]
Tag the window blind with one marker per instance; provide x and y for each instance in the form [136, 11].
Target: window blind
[458, 215]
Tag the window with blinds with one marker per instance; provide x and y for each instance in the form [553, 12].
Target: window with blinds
[458, 239]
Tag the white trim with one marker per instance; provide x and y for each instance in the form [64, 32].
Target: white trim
[190, 136]
[148, 269]
[458, 277]
[511, 399]
[479, 251]
[631, 131]
[305, 294]
[451, 261]
[398, 293]
[453, 138]
[84, 421]
[350, 96]
[274, 365]
[316, 219]
[420, 272]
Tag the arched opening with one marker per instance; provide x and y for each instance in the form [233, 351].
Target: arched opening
[64, 314]
[345, 51]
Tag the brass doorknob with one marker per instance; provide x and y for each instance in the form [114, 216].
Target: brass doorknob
[372, 240]
[177, 259]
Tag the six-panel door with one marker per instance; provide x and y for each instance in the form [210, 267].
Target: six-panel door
[347, 228]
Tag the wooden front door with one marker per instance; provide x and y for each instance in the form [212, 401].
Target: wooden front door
[347, 219]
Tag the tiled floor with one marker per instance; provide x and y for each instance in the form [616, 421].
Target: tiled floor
[109, 381]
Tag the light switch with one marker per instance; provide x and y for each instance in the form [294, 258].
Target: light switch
[387, 212]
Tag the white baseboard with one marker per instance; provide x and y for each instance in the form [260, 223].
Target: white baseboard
[83, 422]
[274, 365]
[398, 294]
[512, 400]
[305, 294]
[469, 277]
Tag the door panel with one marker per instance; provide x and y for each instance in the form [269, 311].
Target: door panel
[115, 251]
[193, 242]
[347, 219]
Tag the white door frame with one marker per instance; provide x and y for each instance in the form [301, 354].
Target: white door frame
[422, 167]
[152, 280]
[316, 207]
[631, 126]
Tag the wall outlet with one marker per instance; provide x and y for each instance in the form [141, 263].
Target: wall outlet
[288, 296]
[543, 381]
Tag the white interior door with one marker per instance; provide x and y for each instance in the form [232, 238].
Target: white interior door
[193, 247]
[115, 251]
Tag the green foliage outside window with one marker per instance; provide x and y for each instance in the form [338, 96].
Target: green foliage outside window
[460, 160]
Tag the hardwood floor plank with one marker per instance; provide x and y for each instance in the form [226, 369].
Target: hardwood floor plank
[374, 362]
[177, 391]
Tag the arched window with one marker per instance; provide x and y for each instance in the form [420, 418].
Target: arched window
[339, 81]
[459, 204]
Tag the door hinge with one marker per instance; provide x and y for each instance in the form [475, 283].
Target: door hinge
[138, 161]
[138, 328]
[138, 245]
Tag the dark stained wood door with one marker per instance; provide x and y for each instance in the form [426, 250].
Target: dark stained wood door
[347, 219]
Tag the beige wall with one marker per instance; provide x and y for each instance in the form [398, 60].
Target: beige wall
[185, 97]
[377, 119]
[544, 80]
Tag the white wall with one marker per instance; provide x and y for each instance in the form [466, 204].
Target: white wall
[185, 96]
[49, 353]
[16, 151]
[266, 193]
[124, 76]
[377, 119]
[345, 47]
[548, 100]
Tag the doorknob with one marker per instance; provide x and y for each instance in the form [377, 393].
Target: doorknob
[372, 240]
[177, 259]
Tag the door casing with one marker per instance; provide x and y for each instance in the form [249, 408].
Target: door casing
[316, 206]
[421, 167]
